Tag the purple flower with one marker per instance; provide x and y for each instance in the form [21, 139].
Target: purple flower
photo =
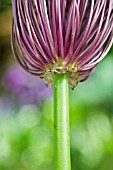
[59, 36]
[27, 88]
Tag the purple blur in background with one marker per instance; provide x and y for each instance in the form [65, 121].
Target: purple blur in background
[27, 88]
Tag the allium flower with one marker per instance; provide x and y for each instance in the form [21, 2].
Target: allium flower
[61, 41]
[26, 88]
[59, 36]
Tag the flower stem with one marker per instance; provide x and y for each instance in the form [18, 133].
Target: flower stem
[61, 123]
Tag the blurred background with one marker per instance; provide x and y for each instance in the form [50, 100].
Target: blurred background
[26, 114]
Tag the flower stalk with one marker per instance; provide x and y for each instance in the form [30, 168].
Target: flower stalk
[61, 123]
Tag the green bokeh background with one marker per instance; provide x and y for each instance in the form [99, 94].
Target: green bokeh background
[26, 133]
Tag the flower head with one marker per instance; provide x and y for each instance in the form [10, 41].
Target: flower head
[59, 36]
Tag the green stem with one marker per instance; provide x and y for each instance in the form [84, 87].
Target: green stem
[61, 123]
